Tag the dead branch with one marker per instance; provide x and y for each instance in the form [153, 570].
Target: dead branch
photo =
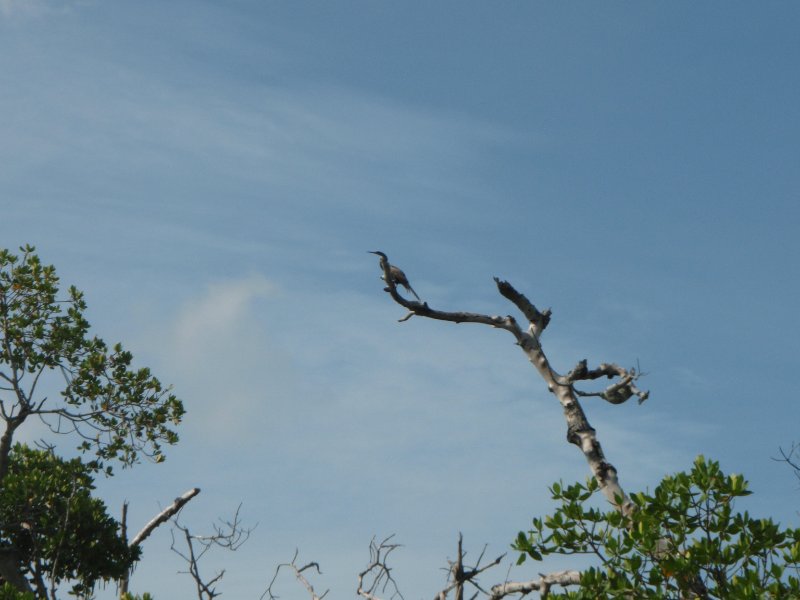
[541, 585]
[618, 392]
[579, 431]
[228, 534]
[164, 516]
[376, 578]
[160, 518]
[298, 573]
[378, 574]
[538, 320]
[459, 575]
[789, 458]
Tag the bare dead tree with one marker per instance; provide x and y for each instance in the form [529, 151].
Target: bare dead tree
[298, 573]
[229, 535]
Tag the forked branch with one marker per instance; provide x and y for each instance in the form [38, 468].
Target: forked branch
[459, 575]
[298, 573]
[229, 535]
[377, 577]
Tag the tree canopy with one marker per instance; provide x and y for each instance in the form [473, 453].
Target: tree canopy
[682, 539]
[59, 531]
[117, 411]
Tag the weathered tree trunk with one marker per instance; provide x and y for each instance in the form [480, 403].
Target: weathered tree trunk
[9, 569]
[5, 445]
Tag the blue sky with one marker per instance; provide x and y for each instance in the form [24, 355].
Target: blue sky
[212, 175]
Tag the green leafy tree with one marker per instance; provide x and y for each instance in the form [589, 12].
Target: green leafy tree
[683, 540]
[116, 412]
[59, 531]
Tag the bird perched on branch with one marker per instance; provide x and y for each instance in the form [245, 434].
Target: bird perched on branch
[398, 277]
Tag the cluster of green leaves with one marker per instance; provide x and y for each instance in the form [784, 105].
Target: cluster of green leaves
[47, 513]
[118, 411]
[683, 538]
[9, 592]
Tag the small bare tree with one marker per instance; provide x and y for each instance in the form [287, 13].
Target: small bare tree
[229, 535]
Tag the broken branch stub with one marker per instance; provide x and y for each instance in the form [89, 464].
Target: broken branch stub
[164, 516]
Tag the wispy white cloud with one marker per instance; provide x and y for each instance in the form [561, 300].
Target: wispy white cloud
[218, 316]
[220, 357]
[16, 7]
[321, 144]
[35, 8]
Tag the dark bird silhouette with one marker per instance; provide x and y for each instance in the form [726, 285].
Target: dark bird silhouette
[398, 277]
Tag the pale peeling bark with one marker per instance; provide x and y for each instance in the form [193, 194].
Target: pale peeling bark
[579, 431]
[541, 585]
[164, 516]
